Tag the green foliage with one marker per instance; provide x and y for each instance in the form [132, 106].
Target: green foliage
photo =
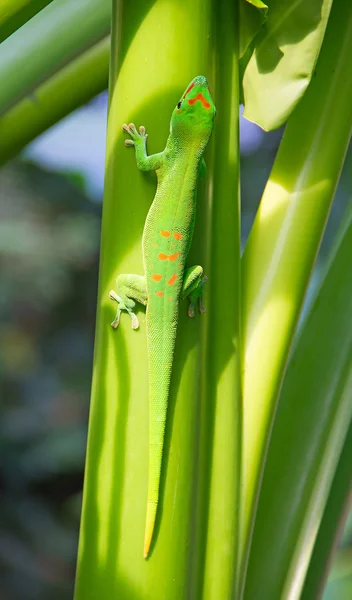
[309, 434]
[221, 412]
[82, 79]
[279, 255]
[13, 13]
[49, 41]
[114, 564]
[283, 59]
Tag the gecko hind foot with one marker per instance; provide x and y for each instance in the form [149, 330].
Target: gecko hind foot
[120, 307]
[130, 289]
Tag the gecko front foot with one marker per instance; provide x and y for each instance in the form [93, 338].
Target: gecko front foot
[136, 137]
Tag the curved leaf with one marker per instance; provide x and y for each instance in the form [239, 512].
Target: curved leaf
[312, 423]
[252, 17]
[336, 511]
[284, 58]
[284, 241]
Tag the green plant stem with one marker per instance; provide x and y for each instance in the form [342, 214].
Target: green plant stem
[50, 40]
[70, 88]
[13, 13]
[157, 48]
[284, 241]
[222, 373]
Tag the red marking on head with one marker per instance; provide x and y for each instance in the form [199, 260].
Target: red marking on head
[179, 111]
[160, 294]
[162, 256]
[165, 233]
[177, 235]
[201, 98]
[190, 87]
[173, 257]
[172, 279]
[156, 277]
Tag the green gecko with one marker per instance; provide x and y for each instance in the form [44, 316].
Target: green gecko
[167, 237]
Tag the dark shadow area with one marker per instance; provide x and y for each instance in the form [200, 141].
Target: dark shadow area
[301, 18]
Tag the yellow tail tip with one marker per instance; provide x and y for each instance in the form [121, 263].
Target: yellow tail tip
[147, 541]
[149, 527]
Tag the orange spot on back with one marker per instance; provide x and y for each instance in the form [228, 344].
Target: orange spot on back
[150, 266]
[177, 235]
[201, 98]
[165, 233]
[156, 277]
[173, 257]
[159, 294]
[155, 245]
[172, 279]
[169, 299]
[162, 256]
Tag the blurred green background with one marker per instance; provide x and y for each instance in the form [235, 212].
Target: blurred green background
[50, 210]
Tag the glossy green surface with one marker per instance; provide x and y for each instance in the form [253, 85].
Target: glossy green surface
[157, 48]
[310, 429]
[285, 238]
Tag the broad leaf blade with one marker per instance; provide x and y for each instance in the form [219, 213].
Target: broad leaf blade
[252, 16]
[284, 58]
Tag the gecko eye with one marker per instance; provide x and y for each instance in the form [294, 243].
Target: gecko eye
[179, 104]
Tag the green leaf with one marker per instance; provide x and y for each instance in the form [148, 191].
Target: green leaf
[331, 526]
[252, 17]
[13, 13]
[70, 88]
[311, 426]
[150, 67]
[47, 42]
[284, 58]
[284, 241]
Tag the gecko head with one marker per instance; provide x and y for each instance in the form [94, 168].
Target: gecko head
[194, 113]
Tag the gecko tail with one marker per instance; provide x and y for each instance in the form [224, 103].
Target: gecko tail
[149, 526]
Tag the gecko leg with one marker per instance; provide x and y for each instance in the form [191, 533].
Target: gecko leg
[193, 284]
[128, 289]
